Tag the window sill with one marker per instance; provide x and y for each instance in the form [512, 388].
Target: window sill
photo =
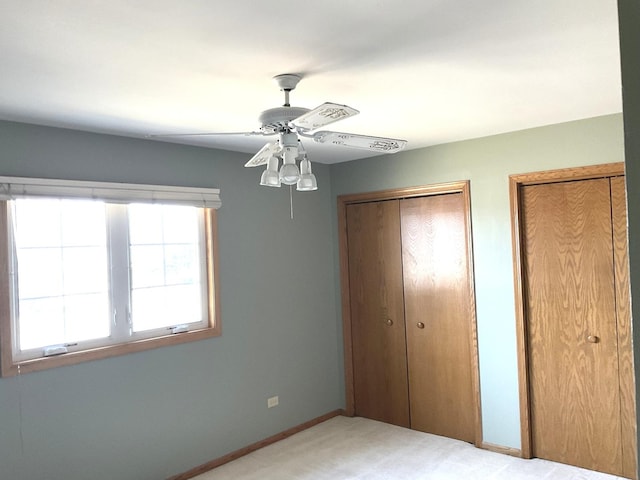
[11, 368]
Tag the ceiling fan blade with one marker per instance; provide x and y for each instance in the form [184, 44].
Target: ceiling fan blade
[263, 155]
[245, 134]
[324, 115]
[366, 142]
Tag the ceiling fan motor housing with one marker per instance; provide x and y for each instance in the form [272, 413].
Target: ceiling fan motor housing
[277, 119]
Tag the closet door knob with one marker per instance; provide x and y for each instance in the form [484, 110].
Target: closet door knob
[420, 325]
[389, 322]
[593, 339]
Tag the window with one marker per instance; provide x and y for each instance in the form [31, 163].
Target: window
[87, 278]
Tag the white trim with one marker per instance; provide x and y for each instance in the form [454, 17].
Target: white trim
[18, 187]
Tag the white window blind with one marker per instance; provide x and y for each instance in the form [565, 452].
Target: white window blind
[20, 187]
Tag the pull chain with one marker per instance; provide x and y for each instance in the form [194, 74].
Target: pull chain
[291, 199]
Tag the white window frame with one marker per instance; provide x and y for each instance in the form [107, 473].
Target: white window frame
[121, 340]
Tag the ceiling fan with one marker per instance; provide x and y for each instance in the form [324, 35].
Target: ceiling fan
[291, 125]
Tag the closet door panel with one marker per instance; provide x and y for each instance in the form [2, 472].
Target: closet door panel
[623, 305]
[438, 315]
[377, 312]
[571, 324]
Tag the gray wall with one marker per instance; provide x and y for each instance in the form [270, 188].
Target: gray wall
[487, 163]
[153, 414]
[629, 13]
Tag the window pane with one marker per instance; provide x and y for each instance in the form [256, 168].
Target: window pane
[148, 309]
[84, 270]
[181, 264]
[51, 272]
[86, 317]
[165, 306]
[180, 224]
[40, 272]
[37, 223]
[154, 224]
[83, 223]
[167, 268]
[147, 266]
[57, 320]
[184, 303]
[145, 224]
[41, 322]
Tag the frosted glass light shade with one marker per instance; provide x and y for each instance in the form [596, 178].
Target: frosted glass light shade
[307, 181]
[270, 177]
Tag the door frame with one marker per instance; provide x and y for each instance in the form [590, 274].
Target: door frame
[462, 187]
[516, 182]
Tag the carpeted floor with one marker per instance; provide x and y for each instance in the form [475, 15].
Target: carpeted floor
[356, 449]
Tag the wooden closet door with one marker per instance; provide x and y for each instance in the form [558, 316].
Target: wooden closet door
[571, 324]
[623, 311]
[377, 312]
[438, 312]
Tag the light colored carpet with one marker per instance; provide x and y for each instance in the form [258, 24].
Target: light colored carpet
[356, 449]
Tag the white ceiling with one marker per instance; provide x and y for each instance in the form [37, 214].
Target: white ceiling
[428, 71]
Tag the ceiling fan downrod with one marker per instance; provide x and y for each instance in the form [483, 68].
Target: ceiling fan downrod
[287, 82]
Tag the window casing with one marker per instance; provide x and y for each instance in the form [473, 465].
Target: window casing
[142, 296]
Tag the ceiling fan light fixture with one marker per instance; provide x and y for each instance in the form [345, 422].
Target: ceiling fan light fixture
[270, 177]
[292, 123]
[307, 181]
[289, 172]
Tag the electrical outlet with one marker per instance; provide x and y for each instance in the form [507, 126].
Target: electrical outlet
[272, 402]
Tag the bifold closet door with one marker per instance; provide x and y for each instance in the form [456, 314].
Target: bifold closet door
[572, 331]
[411, 313]
[438, 312]
[377, 312]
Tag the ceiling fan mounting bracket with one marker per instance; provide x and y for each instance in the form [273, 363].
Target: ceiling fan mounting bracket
[287, 81]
